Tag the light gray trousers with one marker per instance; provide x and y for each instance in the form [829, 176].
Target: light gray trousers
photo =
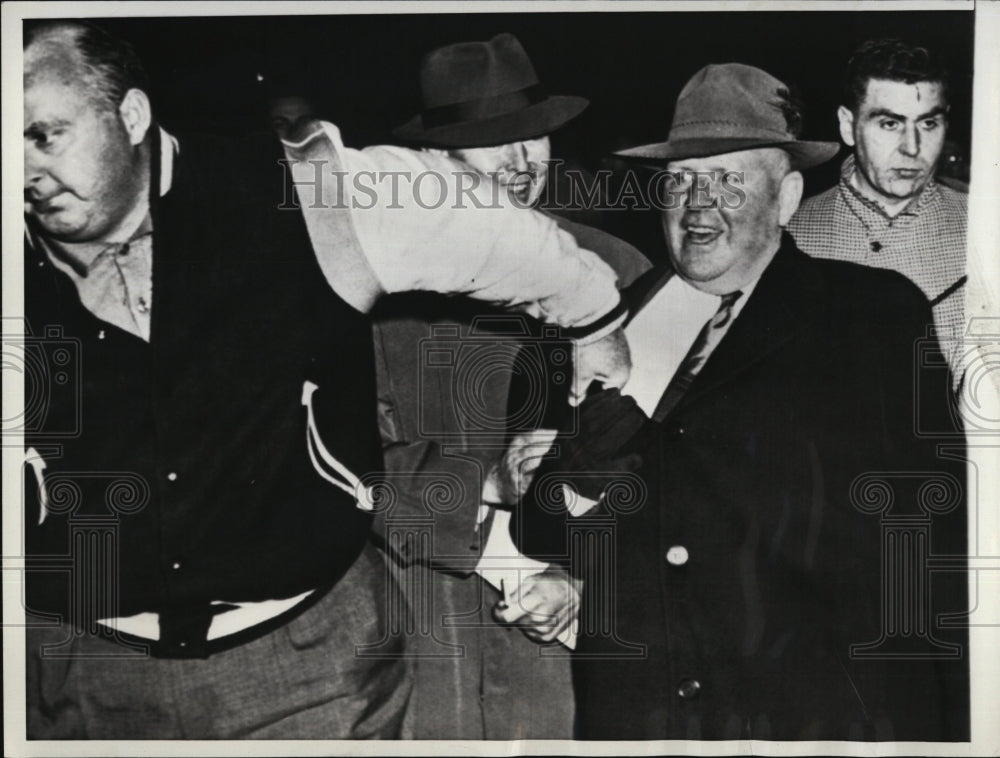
[305, 680]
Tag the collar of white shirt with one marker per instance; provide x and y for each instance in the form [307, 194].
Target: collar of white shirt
[660, 335]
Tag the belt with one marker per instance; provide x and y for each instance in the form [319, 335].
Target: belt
[200, 631]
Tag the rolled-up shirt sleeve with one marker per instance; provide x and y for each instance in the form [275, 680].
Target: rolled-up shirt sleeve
[427, 222]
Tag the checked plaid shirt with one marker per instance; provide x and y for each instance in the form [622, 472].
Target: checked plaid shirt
[925, 242]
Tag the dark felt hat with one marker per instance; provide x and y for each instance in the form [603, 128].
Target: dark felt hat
[484, 93]
[728, 107]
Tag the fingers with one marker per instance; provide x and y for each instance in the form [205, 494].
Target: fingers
[543, 605]
[559, 624]
[522, 458]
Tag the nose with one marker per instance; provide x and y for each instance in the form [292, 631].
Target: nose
[517, 160]
[910, 143]
[34, 165]
[701, 193]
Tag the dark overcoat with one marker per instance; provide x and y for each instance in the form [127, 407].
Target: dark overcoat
[767, 573]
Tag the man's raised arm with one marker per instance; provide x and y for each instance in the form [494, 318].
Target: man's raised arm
[423, 221]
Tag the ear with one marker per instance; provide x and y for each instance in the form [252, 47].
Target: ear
[846, 118]
[136, 114]
[789, 197]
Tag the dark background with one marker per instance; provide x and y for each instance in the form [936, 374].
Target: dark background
[363, 70]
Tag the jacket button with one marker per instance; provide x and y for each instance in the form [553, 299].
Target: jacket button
[688, 689]
[172, 476]
[677, 555]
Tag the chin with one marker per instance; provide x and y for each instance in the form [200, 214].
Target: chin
[68, 232]
[903, 190]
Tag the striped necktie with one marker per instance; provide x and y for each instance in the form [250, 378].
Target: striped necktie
[709, 336]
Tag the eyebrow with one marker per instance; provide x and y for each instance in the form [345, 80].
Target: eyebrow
[880, 112]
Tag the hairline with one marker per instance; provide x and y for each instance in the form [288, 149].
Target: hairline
[938, 80]
[66, 36]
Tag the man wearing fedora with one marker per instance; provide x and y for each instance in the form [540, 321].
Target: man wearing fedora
[485, 107]
[768, 575]
[231, 422]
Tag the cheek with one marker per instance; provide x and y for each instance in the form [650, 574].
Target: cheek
[671, 223]
[87, 168]
[933, 143]
[539, 157]
[111, 171]
[876, 148]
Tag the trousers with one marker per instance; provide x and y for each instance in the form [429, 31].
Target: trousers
[336, 671]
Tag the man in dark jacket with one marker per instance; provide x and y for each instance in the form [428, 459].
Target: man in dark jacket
[760, 570]
[196, 508]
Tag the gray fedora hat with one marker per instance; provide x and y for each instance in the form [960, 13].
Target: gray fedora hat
[728, 107]
[484, 93]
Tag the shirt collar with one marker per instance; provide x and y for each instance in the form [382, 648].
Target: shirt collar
[169, 148]
[695, 293]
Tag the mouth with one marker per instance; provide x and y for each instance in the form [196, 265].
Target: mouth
[45, 204]
[697, 234]
[521, 189]
[907, 173]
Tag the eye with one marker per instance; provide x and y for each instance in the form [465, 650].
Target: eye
[889, 124]
[677, 179]
[45, 139]
[930, 124]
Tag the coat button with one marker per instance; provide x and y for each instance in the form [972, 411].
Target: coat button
[172, 476]
[688, 689]
[677, 555]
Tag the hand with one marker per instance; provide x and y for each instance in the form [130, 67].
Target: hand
[508, 479]
[544, 605]
[607, 361]
[606, 422]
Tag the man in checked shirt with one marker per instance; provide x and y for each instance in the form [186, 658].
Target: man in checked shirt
[887, 211]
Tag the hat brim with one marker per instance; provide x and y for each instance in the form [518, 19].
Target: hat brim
[534, 121]
[803, 154]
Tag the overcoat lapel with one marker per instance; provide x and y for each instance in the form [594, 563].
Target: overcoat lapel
[778, 309]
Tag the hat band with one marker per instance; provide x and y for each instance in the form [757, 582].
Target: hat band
[483, 107]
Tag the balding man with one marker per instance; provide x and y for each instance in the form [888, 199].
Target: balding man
[228, 380]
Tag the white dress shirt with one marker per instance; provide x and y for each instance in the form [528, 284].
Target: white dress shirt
[661, 334]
